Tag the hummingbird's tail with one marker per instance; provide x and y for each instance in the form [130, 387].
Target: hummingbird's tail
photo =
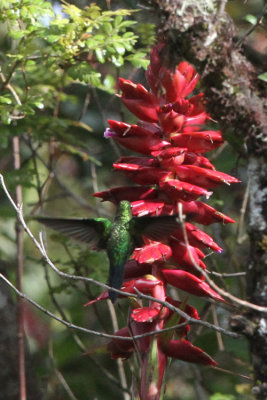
[115, 281]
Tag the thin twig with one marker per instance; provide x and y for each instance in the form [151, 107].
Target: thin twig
[20, 316]
[242, 213]
[226, 275]
[5, 81]
[253, 27]
[59, 375]
[110, 336]
[218, 334]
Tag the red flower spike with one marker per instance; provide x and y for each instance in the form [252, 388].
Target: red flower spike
[130, 193]
[152, 252]
[120, 348]
[203, 213]
[198, 142]
[173, 140]
[186, 351]
[190, 283]
[178, 190]
[138, 100]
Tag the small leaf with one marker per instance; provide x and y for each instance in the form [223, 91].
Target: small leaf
[251, 19]
[263, 77]
[109, 83]
[117, 60]
[117, 21]
[5, 100]
[107, 27]
[100, 55]
[119, 48]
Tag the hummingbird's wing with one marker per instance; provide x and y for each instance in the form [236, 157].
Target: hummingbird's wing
[94, 232]
[155, 228]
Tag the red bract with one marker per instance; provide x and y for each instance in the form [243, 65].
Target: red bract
[180, 83]
[133, 269]
[170, 179]
[178, 190]
[152, 252]
[189, 283]
[184, 350]
[142, 175]
[135, 137]
[138, 100]
[206, 178]
[203, 213]
[130, 193]
[187, 257]
[198, 142]
[120, 348]
[196, 237]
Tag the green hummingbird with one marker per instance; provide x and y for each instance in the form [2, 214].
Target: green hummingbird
[118, 238]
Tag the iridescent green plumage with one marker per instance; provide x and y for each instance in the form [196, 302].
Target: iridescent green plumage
[118, 238]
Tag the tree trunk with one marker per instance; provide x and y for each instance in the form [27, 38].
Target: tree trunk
[235, 97]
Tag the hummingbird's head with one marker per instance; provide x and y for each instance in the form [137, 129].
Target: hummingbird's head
[124, 210]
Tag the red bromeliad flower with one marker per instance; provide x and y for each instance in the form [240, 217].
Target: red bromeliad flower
[172, 175]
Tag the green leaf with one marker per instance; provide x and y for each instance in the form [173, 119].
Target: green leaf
[117, 60]
[5, 117]
[107, 27]
[219, 396]
[138, 60]
[117, 21]
[100, 55]
[109, 83]
[5, 100]
[251, 19]
[263, 77]
[119, 48]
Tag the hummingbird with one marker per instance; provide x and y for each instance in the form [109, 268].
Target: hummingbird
[118, 238]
